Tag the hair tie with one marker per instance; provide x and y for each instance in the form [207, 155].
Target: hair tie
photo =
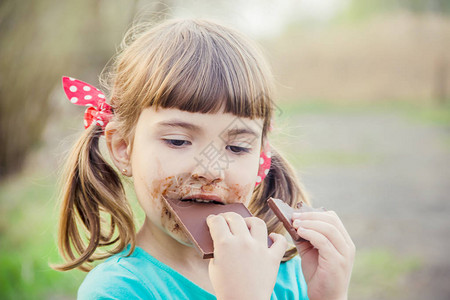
[81, 93]
[265, 160]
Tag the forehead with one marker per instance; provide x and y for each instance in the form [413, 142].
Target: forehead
[219, 123]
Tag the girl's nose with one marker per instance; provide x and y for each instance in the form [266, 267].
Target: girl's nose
[208, 174]
[209, 168]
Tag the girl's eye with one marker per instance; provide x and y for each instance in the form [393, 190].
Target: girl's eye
[176, 143]
[237, 149]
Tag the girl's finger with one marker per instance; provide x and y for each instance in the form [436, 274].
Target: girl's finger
[279, 245]
[341, 227]
[330, 232]
[218, 227]
[320, 242]
[236, 223]
[258, 228]
[329, 217]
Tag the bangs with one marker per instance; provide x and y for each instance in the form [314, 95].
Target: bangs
[207, 69]
[194, 66]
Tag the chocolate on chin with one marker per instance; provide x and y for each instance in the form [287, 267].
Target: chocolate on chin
[191, 216]
[284, 213]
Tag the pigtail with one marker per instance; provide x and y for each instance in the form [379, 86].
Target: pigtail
[281, 182]
[92, 192]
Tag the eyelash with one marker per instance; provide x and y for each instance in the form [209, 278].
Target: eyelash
[240, 149]
[174, 143]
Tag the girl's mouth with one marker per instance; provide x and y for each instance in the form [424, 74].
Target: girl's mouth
[204, 198]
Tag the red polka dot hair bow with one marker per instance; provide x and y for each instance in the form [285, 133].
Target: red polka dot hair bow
[81, 93]
[265, 160]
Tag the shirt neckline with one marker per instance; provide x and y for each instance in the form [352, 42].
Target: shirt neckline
[138, 251]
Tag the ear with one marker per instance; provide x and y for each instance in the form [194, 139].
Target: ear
[119, 149]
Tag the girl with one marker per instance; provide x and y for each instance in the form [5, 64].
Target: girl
[191, 108]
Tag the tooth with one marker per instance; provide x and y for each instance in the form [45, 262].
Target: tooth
[201, 200]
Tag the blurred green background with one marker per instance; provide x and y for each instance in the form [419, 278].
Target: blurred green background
[363, 114]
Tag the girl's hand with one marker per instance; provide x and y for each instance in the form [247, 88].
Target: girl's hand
[243, 266]
[327, 259]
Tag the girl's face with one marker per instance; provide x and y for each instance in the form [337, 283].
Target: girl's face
[183, 155]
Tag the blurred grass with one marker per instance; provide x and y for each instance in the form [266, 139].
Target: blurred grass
[28, 224]
[28, 242]
[380, 273]
[28, 217]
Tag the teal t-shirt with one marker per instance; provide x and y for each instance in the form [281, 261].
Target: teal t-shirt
[141, 276]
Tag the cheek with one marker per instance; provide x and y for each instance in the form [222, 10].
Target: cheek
[158, 211]
[154, 204]
[242, 179]
[244, 171]
[240, 193]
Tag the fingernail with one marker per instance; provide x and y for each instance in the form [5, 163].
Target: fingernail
[296, 223]
[296, 215]
[209, 217]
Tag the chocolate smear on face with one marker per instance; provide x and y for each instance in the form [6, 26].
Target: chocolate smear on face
[191, 216]
[188, 216]
[176, 227]
[165, 186]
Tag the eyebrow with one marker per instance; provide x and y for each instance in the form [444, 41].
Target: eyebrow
[180, 124]
[192, 127]
[238, 131]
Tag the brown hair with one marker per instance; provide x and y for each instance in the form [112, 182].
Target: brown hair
[191, 65]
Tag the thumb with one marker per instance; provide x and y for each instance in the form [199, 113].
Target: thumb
[279, 245]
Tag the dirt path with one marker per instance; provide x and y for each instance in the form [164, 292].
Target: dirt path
[391, 187]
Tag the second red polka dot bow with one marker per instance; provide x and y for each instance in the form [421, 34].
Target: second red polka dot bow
[265, 160]
[81, 93]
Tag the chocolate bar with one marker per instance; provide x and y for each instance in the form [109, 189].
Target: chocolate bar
[284, 213]
[191, 216]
